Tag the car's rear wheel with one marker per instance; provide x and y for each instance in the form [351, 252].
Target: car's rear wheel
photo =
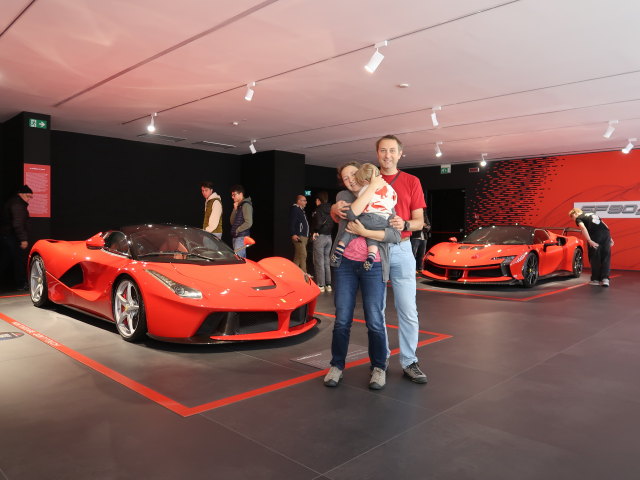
[128, 310]
[577, 263]
[530, 271]
[38, 282]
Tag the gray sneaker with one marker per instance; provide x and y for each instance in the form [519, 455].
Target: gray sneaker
[378, 379]
[414, 373]
[605, 282]
[333, 377]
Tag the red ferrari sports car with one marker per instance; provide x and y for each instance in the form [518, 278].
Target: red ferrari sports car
[512, 254]
[174, 283]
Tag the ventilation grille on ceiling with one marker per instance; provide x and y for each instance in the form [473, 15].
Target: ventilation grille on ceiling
[166, 138]
[214, 144]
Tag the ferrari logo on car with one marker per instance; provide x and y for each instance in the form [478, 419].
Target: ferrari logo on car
[283, 300]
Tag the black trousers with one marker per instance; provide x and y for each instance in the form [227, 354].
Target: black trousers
[13, 262]
[600, 258]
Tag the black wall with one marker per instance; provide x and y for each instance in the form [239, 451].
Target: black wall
[100, 183]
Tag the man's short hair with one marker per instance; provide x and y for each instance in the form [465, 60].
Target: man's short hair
[238, 189]
[25, 189]
[575, 210]
[390, 137]
[208, 185]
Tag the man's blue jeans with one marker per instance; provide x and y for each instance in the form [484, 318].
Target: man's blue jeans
[238, 243]
[347, 279]
[403, 280]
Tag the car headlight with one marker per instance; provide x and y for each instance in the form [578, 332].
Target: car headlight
[506, 259]
[177, 288]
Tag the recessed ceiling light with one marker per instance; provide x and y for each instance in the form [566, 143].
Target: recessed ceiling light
[404, 85]
[235, 123]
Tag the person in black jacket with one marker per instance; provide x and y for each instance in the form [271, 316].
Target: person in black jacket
[299, 231]
[14, 239]
[322, 226]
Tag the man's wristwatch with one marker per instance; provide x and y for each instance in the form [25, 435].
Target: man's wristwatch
[407, 226]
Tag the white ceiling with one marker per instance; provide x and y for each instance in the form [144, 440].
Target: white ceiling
[514, 78]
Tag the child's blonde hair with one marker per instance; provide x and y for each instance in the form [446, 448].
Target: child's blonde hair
[366, 172]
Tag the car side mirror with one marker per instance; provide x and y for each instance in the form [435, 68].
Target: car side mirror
[95, 242]
[548, 243]
[248, 241]
[453, 239]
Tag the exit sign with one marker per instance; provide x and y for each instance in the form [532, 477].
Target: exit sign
[35, 123]
[445, 169]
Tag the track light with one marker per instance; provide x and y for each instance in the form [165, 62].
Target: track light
[483, 162]
[629, 146]
[610, 129]
[252, 147]
[152, 125]
[438, 151]
[249, 95]
[376, 58]
[434, 118]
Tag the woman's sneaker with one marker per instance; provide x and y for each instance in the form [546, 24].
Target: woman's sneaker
[321, 289]
[414, 373]
[378, 379]
[333, 377]
[328, 287]
[605, 282]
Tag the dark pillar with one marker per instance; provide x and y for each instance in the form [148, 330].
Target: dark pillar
[272, 180]
[23, 141]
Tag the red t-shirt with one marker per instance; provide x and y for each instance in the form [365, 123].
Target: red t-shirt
[410, 195]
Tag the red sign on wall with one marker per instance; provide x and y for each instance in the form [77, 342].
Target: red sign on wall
[38, 178]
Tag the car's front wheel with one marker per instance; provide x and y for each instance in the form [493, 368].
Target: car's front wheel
[38, 282]
[577, 263]
[128, 310]
[530, 271]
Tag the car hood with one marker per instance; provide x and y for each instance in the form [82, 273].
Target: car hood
[246, 279]
[469, 254]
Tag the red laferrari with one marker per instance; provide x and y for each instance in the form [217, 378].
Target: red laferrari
[173, 283]
[511, 254]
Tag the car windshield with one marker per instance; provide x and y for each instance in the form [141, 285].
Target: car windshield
[500, 235]
[178, 244]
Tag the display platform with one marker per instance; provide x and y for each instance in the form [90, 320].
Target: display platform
[544, 287]
[188, 379]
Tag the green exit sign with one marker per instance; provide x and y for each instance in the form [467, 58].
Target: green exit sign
[35, 123]
[446, 168]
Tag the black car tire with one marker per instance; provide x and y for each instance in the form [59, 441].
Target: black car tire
[128, 310]
[38, 282]
[530, 271]
[577, 263]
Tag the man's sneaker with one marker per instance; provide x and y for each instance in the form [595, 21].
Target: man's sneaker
[414, 373]
[321, 289]
[333, 377]
[605, 282]
[328, 287]
[594, 282]
[378, 379]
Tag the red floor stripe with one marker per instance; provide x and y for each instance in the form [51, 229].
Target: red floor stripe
[177, 407]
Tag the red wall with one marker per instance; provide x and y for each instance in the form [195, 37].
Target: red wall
[541, 192]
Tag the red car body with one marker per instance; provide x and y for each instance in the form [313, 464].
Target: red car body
[199, 292]
[507, 254]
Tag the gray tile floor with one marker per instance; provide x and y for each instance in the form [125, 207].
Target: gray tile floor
[533, 384]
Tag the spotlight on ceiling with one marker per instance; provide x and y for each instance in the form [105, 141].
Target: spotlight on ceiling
[249, 95]
[610, 129]
[629, 146]
[252, 147]
[152, 124]
[438, 151]
[376, 58]
[483, 162]
[434, 118]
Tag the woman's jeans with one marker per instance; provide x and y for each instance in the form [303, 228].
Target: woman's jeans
[321, 259]
[347, 279]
